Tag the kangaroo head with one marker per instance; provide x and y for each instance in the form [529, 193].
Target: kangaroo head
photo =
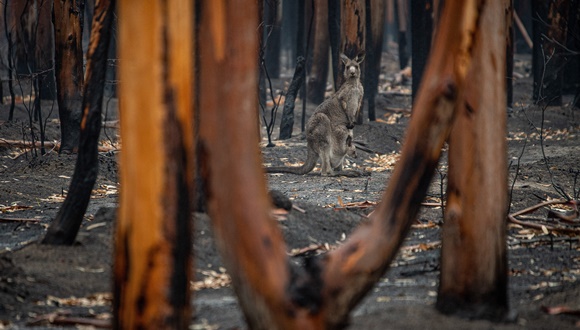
[352, 67]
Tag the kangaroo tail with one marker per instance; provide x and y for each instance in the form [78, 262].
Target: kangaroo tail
[307, 167]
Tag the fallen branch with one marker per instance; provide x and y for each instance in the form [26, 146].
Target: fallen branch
[20, 219]
[522, 29]
[512, 219]
[360, 146]
[58, 319]
[47, 144]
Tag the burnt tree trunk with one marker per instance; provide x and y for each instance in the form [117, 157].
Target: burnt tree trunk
[374, 50]
[402, 26]
[153, 236]
[64, 228]
[68, 60]
[549, 32]
[287, 121]
[334, 37]
[421, 31]
[10, 64]
[319, 70]
[273, 25]
[473, 278]
[352, 36]
[510, 44]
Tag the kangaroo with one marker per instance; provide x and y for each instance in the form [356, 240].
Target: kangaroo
[329, 133]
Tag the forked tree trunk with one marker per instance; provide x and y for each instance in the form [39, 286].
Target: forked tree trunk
[153, 244]
[274, 295]
[473, 255]
[321, 44]
[374, 50]
[64, 228]
[68, 61]
[352, 36]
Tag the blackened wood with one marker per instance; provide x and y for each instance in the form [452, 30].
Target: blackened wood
[334, 33]
[374, 47]
[319, 69]
[64, 228]
[287, 120]
[401, 19]
[68, 62]
[421, 31]
[272, 30]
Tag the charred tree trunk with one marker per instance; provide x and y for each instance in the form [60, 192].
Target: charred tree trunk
[353, 36]
[10, 64]
[63, 230]
[473, 278]
[287, 121]
[510, 44]
[549, 32]
[374, 49]
[153, 235]
[321, 43]
[334, 37]
[273, 32]
[402, 25]
[421, 30]
[68, 22]
[572, 69]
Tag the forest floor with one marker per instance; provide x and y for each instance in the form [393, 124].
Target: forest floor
[53, 287]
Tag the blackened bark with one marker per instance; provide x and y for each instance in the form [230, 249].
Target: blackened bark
[10, 60]
[549, 32]
[421, 30]
[273, 32]
[334, 33]
[319, 70]
[572, 69]
[64, 228]
[374, 47]
[401, 19]
[510, 37]
[68, 20]
[287, 121]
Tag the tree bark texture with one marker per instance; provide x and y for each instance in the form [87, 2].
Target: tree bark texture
[549, 32]
[352, 37]
[473, 278]
[68, 22]
[321, 44]
[374, 49]
[64, 228]
[250, 243]
[421, 30]
[153, 244]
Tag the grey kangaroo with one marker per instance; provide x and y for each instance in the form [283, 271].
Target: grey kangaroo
[329, 130]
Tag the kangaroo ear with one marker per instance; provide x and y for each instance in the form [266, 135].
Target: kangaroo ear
[360, 57]
[344, 58]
